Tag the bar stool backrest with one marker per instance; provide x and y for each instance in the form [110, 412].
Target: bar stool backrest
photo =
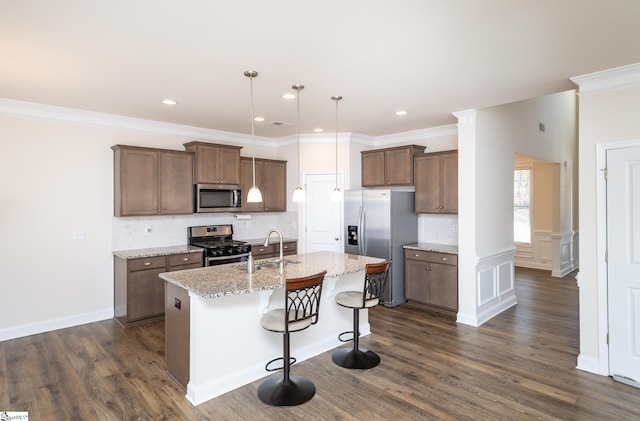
[375, 281]
[302, 301]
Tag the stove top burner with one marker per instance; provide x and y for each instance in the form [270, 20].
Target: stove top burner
[217, 241]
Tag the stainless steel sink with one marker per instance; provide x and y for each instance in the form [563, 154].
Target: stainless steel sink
[270, 265]
[266, 265]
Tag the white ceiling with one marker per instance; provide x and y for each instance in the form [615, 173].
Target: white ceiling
[429, 57]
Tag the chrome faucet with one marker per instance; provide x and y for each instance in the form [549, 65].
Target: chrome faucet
[266, 243]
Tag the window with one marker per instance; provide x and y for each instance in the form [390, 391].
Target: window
[522, 206]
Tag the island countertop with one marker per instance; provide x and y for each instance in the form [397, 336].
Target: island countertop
[232, 279]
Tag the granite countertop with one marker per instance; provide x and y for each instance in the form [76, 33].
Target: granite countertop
[440, 248]
[273, 240]
[156, 251]
[233, 279]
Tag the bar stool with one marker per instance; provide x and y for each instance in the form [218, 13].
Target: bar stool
[302, 304]
[375, 279]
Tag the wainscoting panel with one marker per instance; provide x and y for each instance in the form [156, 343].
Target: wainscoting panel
[495, 285]
[549, 251]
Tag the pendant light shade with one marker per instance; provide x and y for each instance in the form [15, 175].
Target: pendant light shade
[336, 194]
[254, 194]
[298, 193]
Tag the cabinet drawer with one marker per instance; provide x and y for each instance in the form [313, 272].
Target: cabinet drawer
[262, 251]
[145, 263]
[184, 259]
[290, 248]
[432, 256]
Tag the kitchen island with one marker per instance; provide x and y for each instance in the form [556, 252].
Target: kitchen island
[214, 340]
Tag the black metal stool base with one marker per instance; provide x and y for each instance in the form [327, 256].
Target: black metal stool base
[278, 392]
[355, 358]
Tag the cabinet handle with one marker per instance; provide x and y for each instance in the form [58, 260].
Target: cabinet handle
[444, 259]
[185, 259]
[416, 255]
[155, 208]
[147, 263]
[285, 247]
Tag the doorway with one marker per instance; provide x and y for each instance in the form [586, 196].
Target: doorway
[623, 263]
[322, 218]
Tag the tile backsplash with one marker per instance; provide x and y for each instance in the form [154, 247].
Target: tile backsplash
[440, 229]
[159, 231]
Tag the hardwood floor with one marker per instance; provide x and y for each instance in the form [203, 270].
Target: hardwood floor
[518, 366]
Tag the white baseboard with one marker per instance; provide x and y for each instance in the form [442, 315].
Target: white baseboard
[590, 364]
[54, 324]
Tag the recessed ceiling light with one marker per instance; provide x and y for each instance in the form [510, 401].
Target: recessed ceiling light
[287, 96]
[401, 112]
[169, 102]
[318, 130]
[259, 119]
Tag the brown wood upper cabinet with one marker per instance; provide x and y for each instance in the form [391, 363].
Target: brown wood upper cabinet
[151, 181]
[271, 179]
[389, 166]
[215, 164]
[436, 180]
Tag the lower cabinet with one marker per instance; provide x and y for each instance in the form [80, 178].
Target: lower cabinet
[139, 291]
[273, 250]
[431, 280]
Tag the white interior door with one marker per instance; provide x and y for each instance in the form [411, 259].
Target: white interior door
[322, 217]
[623, 247]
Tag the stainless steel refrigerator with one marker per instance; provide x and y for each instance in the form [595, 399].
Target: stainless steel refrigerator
[378, 222]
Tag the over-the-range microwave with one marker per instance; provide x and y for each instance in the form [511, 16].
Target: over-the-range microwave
[217, 198]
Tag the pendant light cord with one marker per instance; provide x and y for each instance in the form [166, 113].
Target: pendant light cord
[336, 99]
[253, 136]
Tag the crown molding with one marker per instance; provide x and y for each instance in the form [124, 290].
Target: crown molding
[416, 135]
[608, 80]
[71, 115]
[465, 117]
[24, 109]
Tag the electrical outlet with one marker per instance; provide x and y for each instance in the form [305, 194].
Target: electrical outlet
[147, 230]
[455, 228]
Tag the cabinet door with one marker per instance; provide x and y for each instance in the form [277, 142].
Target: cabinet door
[176, 186]
[398, 167]
[373, 173]
[427, 180]
[229, 165]
[207, 158]
[138, 182]
[145, 294]
[449, 189]
[416, 284]
[246, 181]
[275, 186]
[444, 286]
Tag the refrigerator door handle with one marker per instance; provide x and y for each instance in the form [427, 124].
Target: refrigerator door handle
[362, 249]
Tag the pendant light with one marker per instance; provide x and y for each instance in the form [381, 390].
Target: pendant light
[298, 193]
[336, 194]
[254, 194]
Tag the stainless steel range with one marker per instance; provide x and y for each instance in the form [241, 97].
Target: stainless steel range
[220, 247]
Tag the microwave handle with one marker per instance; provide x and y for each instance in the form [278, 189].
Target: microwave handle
[236, 198]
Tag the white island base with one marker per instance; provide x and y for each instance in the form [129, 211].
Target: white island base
[228, 348]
